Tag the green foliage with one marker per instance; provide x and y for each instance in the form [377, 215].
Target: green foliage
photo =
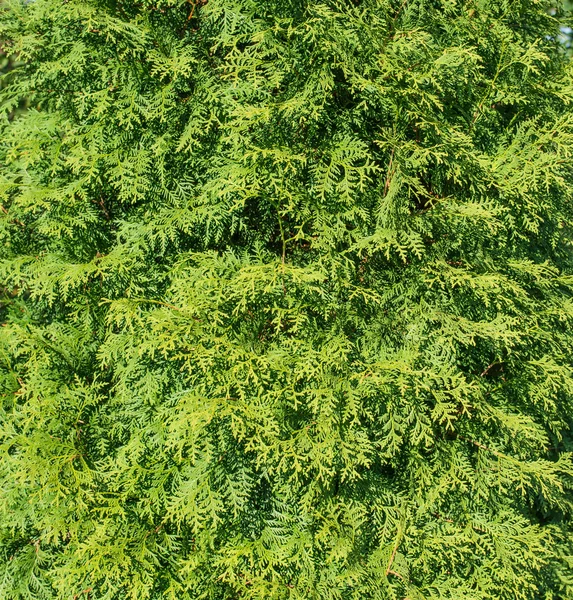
[287, 300]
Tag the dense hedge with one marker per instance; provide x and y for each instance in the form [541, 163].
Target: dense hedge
[287, 300]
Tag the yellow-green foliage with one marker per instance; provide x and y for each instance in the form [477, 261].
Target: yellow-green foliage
[287, 301]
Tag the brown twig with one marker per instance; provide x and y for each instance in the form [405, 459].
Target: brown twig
[102, 205]
[389, 174]
[17, 221]
[194, 5]
[394, 552]
[398, 12]
[391, 28]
